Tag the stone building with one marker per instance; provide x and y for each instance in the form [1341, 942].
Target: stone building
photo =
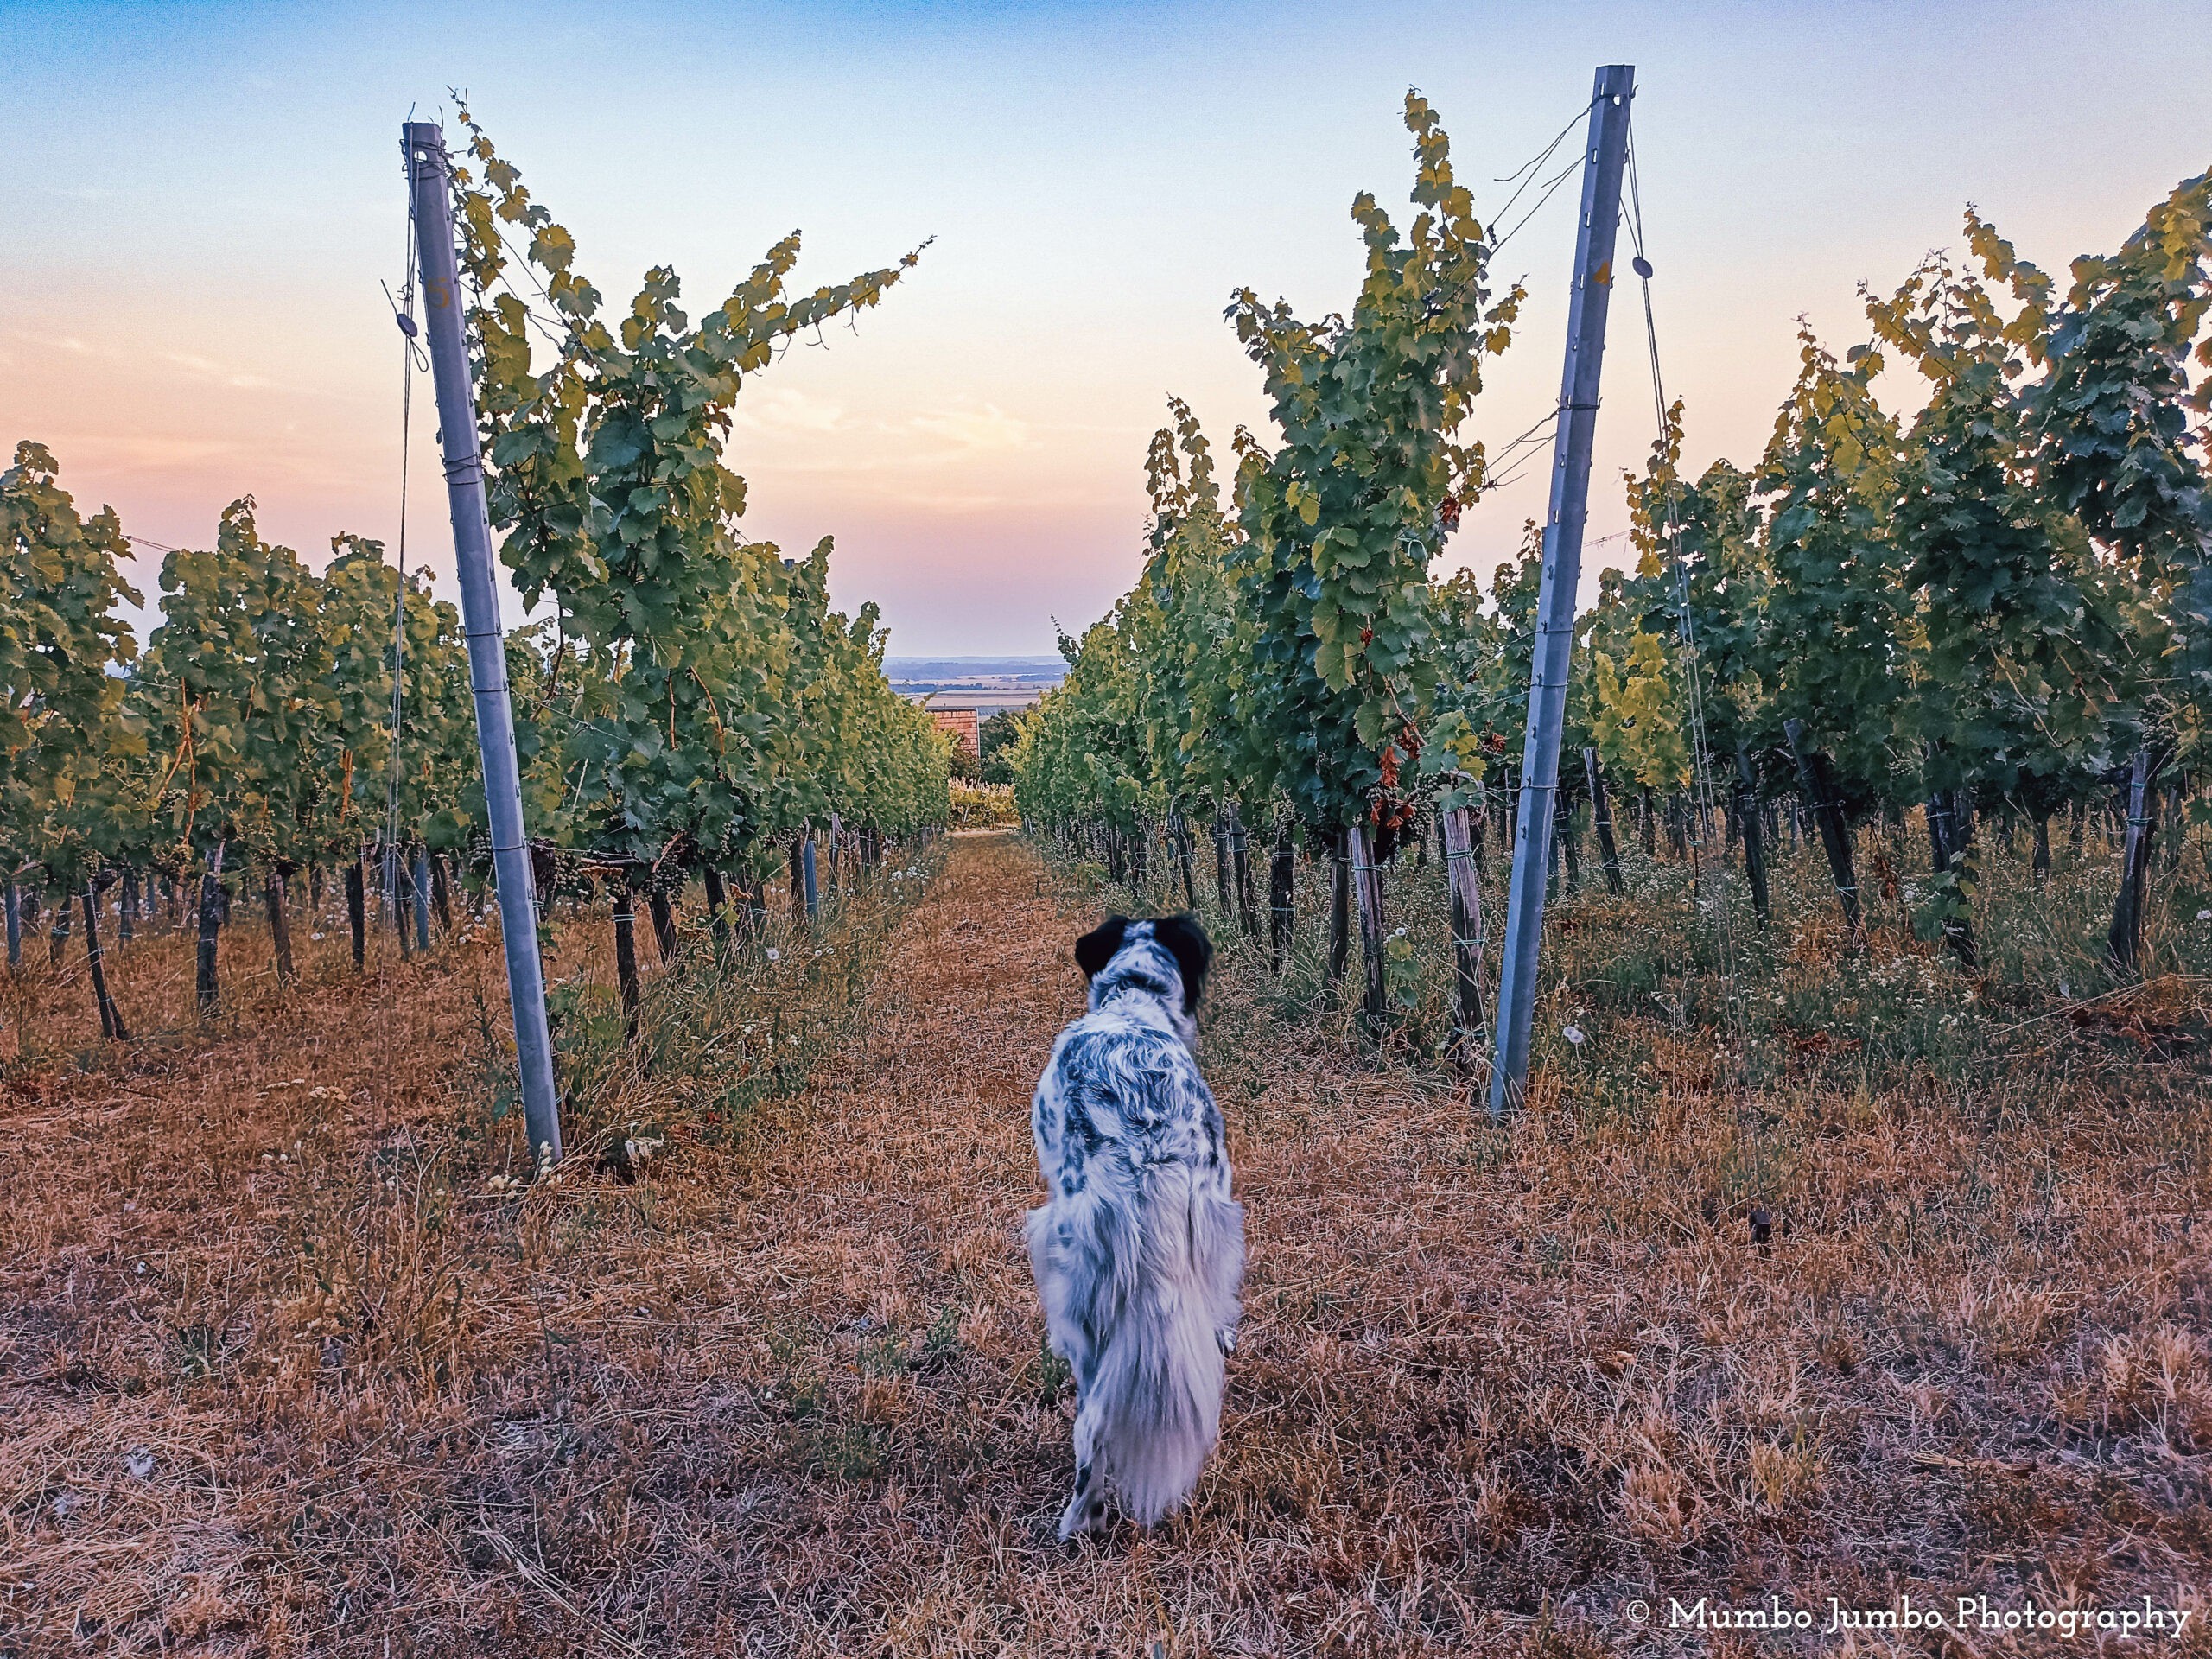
[966, 731]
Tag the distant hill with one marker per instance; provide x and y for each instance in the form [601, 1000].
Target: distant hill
[984, 683]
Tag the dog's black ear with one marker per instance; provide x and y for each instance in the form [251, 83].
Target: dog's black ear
[1193, 952]
[1095, 950]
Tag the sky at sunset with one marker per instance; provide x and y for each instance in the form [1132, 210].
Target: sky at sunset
[202, 202]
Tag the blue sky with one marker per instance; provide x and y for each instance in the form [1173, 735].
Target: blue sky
[203, 198]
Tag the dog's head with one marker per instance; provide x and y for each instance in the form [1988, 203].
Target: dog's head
[1122, 954]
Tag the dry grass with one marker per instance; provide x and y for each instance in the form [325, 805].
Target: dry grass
[282, 1372]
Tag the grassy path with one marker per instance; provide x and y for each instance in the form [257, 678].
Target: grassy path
[289, 1372]
[880, 1250]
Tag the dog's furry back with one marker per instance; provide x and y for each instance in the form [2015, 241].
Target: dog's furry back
[1140, 1251]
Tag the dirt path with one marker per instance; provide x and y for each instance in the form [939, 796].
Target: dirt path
[891, 1219]
[915, 1151]
[284, 1368]
[785, 1395]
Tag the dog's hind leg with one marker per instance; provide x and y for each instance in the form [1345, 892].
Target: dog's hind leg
[1086, 1509]
[1218, 1243]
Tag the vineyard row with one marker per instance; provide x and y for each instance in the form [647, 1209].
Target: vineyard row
[2000, 608]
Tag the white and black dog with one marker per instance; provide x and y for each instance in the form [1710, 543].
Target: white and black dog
[1140, 1250]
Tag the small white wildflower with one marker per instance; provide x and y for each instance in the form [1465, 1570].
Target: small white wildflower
[138, 1463]
[2204, 915]
[315, 937]
[1574, 1034]
[774, 954]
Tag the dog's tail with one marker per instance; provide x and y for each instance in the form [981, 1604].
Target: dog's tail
[1158, 1382]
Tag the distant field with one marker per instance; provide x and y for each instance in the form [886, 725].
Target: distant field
[984, 683]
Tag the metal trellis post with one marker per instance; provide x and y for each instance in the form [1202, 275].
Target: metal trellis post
[1605, 159]
[428, 171]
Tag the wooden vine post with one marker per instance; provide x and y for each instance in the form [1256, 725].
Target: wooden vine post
[210, 901]
[1747, 815]
[2125, 939]
[357, 907]
[1281, 897]
[421, 878]
[1601, 813]
[1461, 875]
[1241, 863]
[1339, 914]
[392, 907]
